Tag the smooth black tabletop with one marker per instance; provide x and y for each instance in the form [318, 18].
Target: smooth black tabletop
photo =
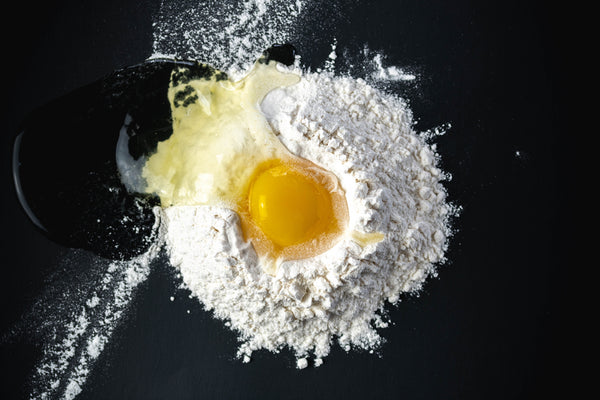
[486, 328]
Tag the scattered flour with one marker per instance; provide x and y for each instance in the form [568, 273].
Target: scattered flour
[392, 186]
[390, 73]
[79, 335]
[229, 35]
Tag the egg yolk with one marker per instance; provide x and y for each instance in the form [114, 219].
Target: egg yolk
[294, 209]
[289, 207]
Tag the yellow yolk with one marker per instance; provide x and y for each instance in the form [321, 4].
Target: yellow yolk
[294, 210]
[289, 207]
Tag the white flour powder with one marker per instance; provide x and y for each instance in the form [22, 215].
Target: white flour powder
[86, 324]
[227, 35]
[392, 186]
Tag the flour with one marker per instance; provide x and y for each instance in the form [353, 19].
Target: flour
[80, 333]
[230, 36]
[389, 73]
[392, 186]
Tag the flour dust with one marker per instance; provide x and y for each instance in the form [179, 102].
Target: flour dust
[78, 314]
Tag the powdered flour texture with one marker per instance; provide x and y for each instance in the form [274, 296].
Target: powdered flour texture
[392, 185]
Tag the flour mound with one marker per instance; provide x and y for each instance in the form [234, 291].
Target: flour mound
[392, 186]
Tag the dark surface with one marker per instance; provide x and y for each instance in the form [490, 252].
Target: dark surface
[486, 328]
[64, 165]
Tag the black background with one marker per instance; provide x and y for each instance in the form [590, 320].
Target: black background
[486, 328]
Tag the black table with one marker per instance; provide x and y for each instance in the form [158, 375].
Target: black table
[486, 328]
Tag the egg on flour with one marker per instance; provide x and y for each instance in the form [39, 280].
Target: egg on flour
[224, 153]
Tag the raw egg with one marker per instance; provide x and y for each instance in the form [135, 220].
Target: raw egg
[223, 152]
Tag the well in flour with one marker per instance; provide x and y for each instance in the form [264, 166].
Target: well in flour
[392, 184]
